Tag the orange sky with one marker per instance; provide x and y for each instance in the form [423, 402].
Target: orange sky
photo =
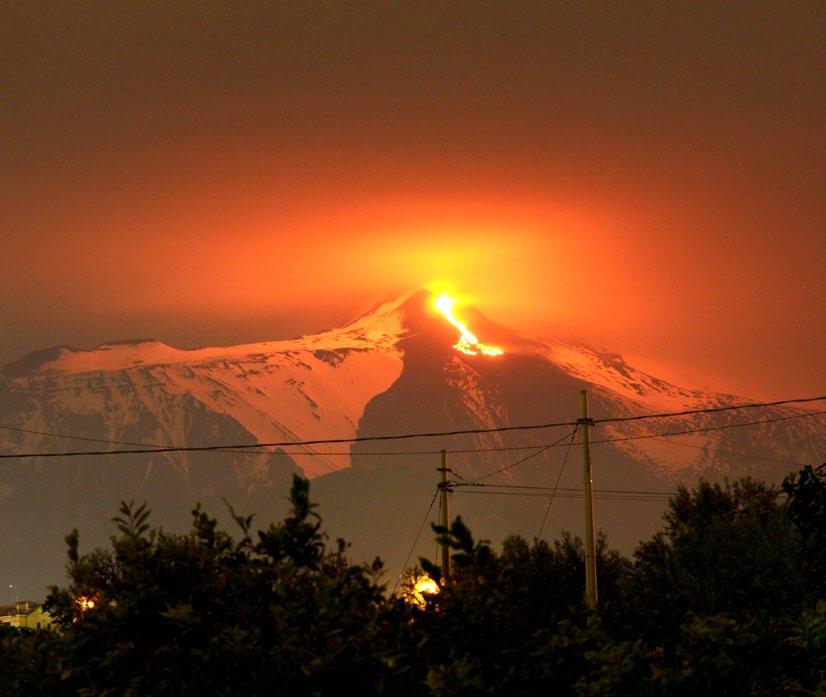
[647, 179]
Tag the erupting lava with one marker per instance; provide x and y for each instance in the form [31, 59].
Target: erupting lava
[468, 343]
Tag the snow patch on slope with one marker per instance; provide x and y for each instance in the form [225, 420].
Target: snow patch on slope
[609, 371]
[313, 387]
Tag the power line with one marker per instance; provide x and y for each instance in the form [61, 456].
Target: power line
[710, 410]
[456, 473]
[709, 428]
[109, 441]
[84, 438]
[556, 444]
[427, 434]
[439, 518]
[541, 450]
[574, 495]
[725, 451]
[281, 444]
[150, 447]
[380, 453]
[556, 485]
[251, 446]
[416, 539]
[534, 487]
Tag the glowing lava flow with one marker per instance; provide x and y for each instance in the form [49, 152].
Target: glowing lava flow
[468, 343]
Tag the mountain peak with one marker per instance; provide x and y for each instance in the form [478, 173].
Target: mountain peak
[414, 301]
[423, 312]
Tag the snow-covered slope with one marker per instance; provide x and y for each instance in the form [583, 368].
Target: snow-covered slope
[146, 392]
[393, 370]
[735, 450]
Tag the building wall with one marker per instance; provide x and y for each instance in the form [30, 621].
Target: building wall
[25, 614]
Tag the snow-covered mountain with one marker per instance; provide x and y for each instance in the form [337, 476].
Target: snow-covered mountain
[147, 392]
[344, 382]
[391, 371]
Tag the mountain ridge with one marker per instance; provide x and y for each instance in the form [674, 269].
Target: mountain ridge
[392, 370]
[320, 385]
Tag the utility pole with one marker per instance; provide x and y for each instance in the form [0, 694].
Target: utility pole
[588, 496]
[444, 518]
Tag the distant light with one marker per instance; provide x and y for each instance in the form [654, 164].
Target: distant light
[422, 585]
[85, 603]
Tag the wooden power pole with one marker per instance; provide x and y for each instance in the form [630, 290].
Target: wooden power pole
[444, 518]
[588, 496]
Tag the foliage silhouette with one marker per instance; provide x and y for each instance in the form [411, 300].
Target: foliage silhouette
[728, 597]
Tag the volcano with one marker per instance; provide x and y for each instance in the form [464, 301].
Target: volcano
[394, 370]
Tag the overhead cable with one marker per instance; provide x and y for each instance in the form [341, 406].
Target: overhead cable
[556, 486]
[416, 539]
[361, 439]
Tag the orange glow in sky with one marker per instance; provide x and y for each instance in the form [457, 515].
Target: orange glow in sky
[228, 193]
[468, 343]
